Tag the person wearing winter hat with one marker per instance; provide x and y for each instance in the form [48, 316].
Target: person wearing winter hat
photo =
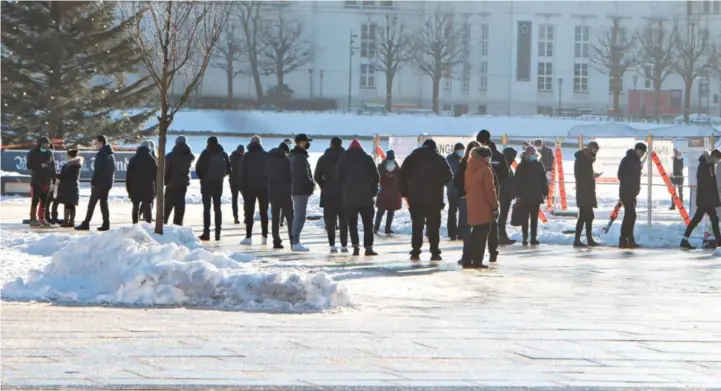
[100, 184]
[506, 197]
[212, 167]
[531, 191]
[143, 208]
[302, 187]
[707, 197]
[482, 201]
[585, 192]
[234, 179]
[331, 196]
[501, 173]
[629, 176]
[278, 178]
[177, 180]
[254, 188]
[389, 193]
[453, 196]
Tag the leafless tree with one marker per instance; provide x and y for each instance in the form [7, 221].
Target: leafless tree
[250, 16]
[392, 51]
[285, 47]
[437, 48]
[176, 40]
[656, 55]
[228, 55]
[693, 49]
[614, 53]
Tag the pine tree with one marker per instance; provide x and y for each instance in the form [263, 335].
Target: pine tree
[63, 67]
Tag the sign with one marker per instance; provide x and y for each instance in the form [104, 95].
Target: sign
[446, 144]
[403, 146]
[15, 161]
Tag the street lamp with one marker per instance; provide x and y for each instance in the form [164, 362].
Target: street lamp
[560, 87]
[310, 81]
[635, 81]
[350, 67]
[321, 83]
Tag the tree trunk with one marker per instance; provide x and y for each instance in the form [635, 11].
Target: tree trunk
[164, 124]
[436, 84]
[230, 79]
[389, 90]
[256, 78]
[616, 95]
[688, 82]
[656, 98]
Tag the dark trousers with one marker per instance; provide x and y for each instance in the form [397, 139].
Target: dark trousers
[503, 217]
[333, 213]
[679, 193]
[51, 212]
[69, 213]
[366, 214]
[216, 208]
[389, 218]
[250, 196]
[454, 203]
[234, 203]
[430, 218]
[585, 218]
[39, 202]
[532, 214]
[629, 218]
[698, 216]
[175, 199]
[493, 239]
[282, 210]
[474, 249]
[98, 194]
[144, 207]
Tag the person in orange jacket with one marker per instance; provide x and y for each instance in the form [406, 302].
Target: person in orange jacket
[482, 209]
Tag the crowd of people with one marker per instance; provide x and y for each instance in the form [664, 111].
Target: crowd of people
[480, 183]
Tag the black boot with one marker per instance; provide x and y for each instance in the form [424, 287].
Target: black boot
[578, 243]
[217, 234]
[591, 242]
[686, 245]
[84, 226]
[104, 227]
[356, 250]
[436, 257]
[205, 236]
[370, 252]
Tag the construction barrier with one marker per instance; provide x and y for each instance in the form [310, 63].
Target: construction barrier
[614, 216]
[671, 189]
[561, 178]
[552, 186]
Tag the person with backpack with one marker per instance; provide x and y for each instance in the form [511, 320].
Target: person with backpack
[41, 163]
[234, 179]
[100, 184]
[302, 186]
[140, 183]
[331, 197]
[177, 179]
[69, 186]
[277, 176]
[212, 167]
[254, 188]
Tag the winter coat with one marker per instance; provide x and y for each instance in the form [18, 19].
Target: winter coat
[389, 197]
[325, 174]
[481, 195]
[177, 166]
[547, 158]
[69, 181]
[301, 174]
[453, 162]
[531, 183]
[707, 195]
[277, 175]
[252, 168]
[203, 165]
[500, 167]
[141, 175]
[508, 187]
[459, 179]
[585, 180]
[235, 177]
[424, 174]
[677, 177]
[104, 170]
[40, 176]
[358, 177]
[629, 175]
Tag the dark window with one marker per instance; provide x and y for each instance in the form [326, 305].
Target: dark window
[482, 109]
[351, 3]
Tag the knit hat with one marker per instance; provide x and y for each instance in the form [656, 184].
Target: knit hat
[241, 148]
[284, 146]
[256, 139]
[212, 140]
[180, 140]
[484, 152]
[483, 136]
[641, 147]
[430, 144]
[593, 145]
[459, 147]
[530, 150]
[355, 144]
[510, 154]
[336, 142]
[390, 155]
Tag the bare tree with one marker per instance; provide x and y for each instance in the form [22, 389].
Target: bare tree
[392, 52]
[171, 37]
[285, 47]
[250, 15]
[614, 52]
[691, 44]
[656, 55]
[437, 48]
[228, 57]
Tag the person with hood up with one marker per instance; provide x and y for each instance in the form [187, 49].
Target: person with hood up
[629, 176]
[707, 197]
[459, 181]
[506, 196]
[302, 187]
[140, 182]
[331, 197]
[531, 191]
[69, 186]
[177, 179]
[277, 175]
[482, 201]
[234, 178]
[454, 221]
[423, 177]
[254, 187]
[501, 172]
[358, 177]
[389, 196]
[585, 193]
[41, 163]
[100, 184]
[212, 167]
[677, 177]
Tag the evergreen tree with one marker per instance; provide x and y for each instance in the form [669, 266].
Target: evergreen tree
[63, 67]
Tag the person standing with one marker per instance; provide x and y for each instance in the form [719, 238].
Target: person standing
[150, 144]
[454, 200]
[234, 178]
[41, 163]
[707, 197]
[358, 176]
[302, 187]
[585, 193]
[677, 177]
[531, 191]
[423, 177]
[629, 176]
[100, 184]
[177, 179]
[545, 157]
[506, 196]
[212, 167]
[69, 186]
[389, 195]
[254, 187]
[482, 201]
[331, 197]
[459, 181]
[501, 172]
[140, 182]
[51, 208]
[277, 175]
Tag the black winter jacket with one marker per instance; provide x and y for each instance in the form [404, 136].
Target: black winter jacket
[277, 175]
[508, 187]
[629, 175]
[235, 177]
[547, 158]
[459, 178]
[531, 182]
[141, 175]
[453, 162]
[677, 177]
[585, 180]
[358, 176]
[104, 170]
[325, 174]
[252, 168]
[500, 166]
[69, 177]
[706, 186]
[424, 174]
[203, 165]
[177, 166]
[301, 174]
[41, 176]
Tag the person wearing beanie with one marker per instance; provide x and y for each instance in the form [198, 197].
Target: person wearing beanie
[177, 180]
[506, 197]
[140, 183]
[254, 188]
[69, 186]
[482, 204]
[302, 187]
[531, 192]
[143, 208]
[101, 184]
[423, 177]
[234, 179]
[454, 199]
[459, 182]
[585, 193]
[331, 196]
[389, 192]
[278, 178]
[677, 176]
[629, 176]
[707, 197]
[41, 164]
[211, 168]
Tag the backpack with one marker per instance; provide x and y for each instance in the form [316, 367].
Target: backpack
[217, 169]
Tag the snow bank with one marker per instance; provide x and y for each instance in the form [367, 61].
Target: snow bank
[133, 266]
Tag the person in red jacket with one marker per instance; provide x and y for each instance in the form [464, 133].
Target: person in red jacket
[389, 196]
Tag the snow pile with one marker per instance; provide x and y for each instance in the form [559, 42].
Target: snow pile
[43, 245]
[133, 266]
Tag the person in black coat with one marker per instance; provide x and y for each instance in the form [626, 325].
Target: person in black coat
[531, 191]
[459, 181]
[140, 182]
[501, 172]
[277, 175]
[424, 174]
[707, 197]
[100, 184]
[585, 192]
[212, 167]
[235, 178]
[629, 176]
[254, 188]
[41, 163]
[51, 211]
[454, 221]
[331, 197]
[69, 186]
[177, 179]
[506, 195]
[677, 176]
[301, 188]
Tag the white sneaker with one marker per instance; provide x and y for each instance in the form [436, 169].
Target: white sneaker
[247, 241]
[300, 248]
[264, 240]
[344, 249]
[333, 249]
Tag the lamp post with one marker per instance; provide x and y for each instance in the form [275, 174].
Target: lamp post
[350, 67]
[635, 81]
[560, 87]
[321, 83]
[310, 82]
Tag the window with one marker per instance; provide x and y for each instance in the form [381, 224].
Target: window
[580, 77]
[387, 4]
[368, 77]
[648, 82]
[369, 3]
[484, 39]
[482, 109]
[466, 36]
[545, 76]
[368, 40]
[483, 85]
[717, 7]
[715, 98]
[706, 6]
[351, 4]
[703, 87]
[610, 83]
[466, 78]
[446, 107]
[689, 7]
[544, 110]
[582, 39]
[545, 40]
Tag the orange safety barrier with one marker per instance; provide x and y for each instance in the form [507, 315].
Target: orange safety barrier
[561, 179]
[551, 187]
[380, 153]
[614, 215]
[541, 215]
[671, 189]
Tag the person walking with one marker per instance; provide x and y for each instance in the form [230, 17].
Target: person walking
[423, 177]
[585, 193]
[358, 177]
[212, 167]
[482, 200]
[277, 175]
[331, 197]
[629, 176]
[100, 184]
[506, 195]
[140, 182]
[69, 186]
[41, 163]
[677, 177]
[501, 172]
[459, 181]
[531, 191]
[302, 187]
[389, 194]
[454, 199]
[177, 180]
[254, 187]
[707, 197]
[235, 178]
